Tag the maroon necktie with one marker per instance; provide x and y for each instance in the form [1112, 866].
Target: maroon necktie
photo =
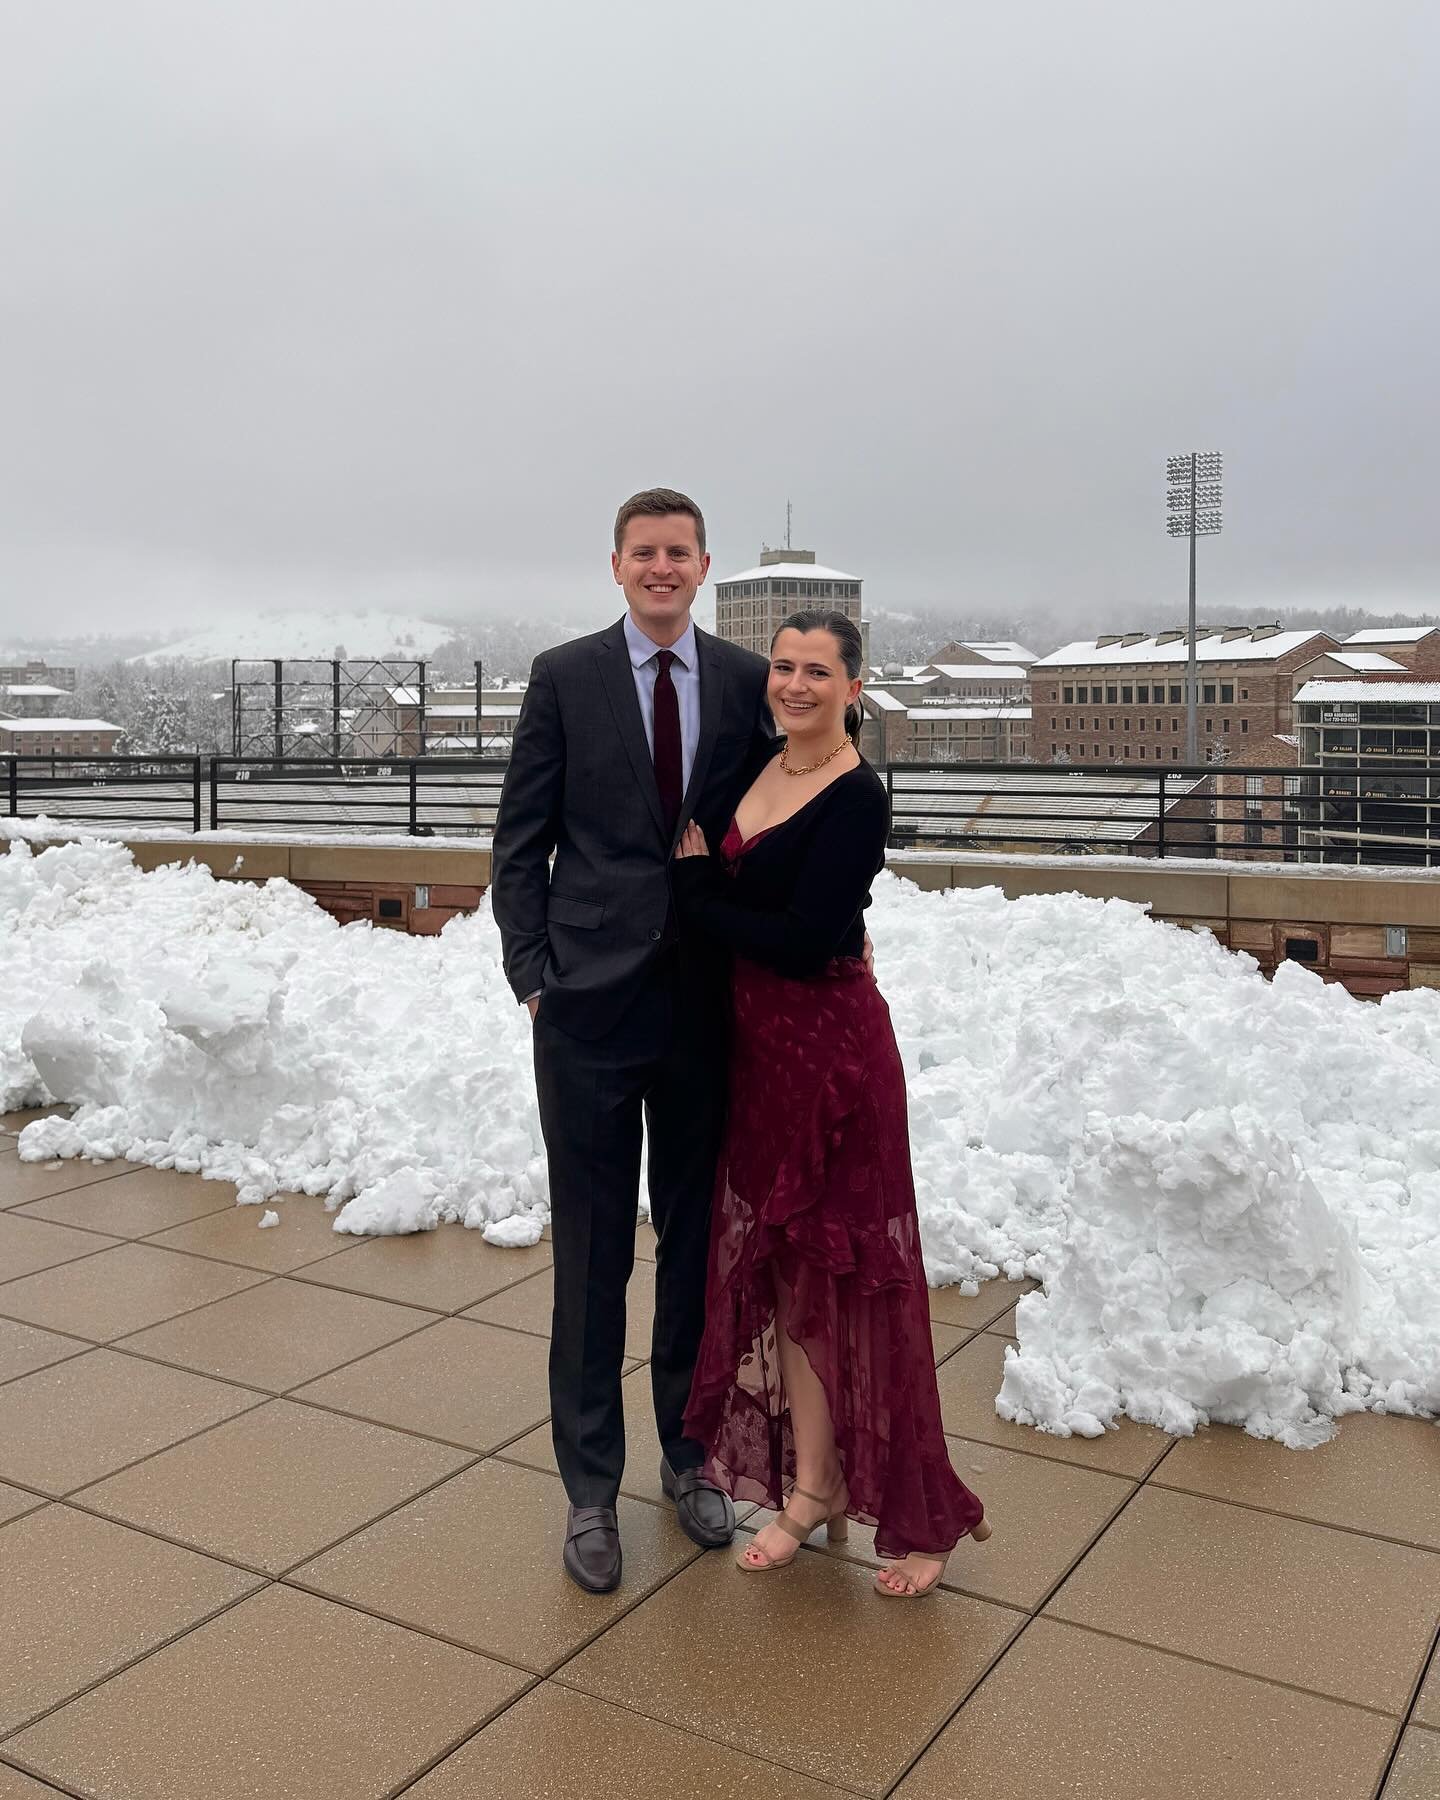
[668, 767]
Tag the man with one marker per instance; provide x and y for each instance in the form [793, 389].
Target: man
[623, 737]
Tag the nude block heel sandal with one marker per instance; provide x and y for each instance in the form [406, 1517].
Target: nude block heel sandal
[837, 1530]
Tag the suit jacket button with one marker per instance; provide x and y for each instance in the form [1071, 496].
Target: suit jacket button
[655, 935]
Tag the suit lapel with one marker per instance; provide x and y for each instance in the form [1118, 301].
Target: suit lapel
[712, 702]
[618, 679]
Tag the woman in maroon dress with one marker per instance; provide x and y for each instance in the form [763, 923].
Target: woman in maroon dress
[816, 1375]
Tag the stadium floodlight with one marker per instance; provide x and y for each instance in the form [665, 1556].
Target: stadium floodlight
[1192, 509]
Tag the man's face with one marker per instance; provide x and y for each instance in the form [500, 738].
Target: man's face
[660, 567]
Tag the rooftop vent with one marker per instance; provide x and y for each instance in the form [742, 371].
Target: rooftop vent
[1264, 631]
[1111, 637]
[1231, 632]
[1169, 637]
[1135, 637]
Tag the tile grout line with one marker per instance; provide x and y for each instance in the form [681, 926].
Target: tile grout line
[1006, 1649]
[1404, 1724]
[1274, 1512]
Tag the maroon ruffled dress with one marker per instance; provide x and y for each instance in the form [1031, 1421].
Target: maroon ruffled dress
[814, 1185]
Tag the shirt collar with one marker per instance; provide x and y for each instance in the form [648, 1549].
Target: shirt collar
[643, 649]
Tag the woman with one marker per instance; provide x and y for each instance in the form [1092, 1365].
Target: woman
[816, 1373]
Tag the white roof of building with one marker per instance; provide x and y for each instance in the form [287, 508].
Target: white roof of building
[789, 572]
[884, 702]
[1366, 662]
[487, 711]
[52, 725]
[1375, 693]
[981, 671]
[1087, 652]
[967, 712]
[1391, 634]
[35, 690]
[1002, 650]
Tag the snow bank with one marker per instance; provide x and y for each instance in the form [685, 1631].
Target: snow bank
[238, 1031]
[1230, 1187]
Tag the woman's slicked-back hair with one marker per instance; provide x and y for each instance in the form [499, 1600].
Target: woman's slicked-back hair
[846, 634]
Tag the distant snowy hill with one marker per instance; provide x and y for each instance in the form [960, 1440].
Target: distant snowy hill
[307, 635]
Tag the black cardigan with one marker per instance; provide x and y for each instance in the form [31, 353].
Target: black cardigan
[798, 895]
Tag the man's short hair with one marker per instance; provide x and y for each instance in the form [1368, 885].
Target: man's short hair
[655, 503]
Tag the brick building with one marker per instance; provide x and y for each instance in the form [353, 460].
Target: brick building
[31, 699]
[1390, 812]
[750, 606]
[1254, 812]
[57, 737]
[1415, 647]
[41, 674]
[1121, 698]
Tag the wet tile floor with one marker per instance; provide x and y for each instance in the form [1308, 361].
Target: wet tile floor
[279, 1516]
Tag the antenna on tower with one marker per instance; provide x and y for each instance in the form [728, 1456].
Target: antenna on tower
[788, 510]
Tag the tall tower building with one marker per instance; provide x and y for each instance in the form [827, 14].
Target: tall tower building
[750, 606]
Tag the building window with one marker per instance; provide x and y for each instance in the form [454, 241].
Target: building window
[1142, 753]
[1175, 754]
[1112, 724]
[1142, 694]
[1112, 753]
[1142, 724]
[1070, 696]
[1067, 724]
[1254, 784]
[1127, 750]
[1210, 726]
[1174, 724]
[1244, 724]
[1292, 784]
[1176, 695]
[1207, 693]
[1227, 693]
[1244, 693]
[1254, 831]
[1224, 724]
[1127, 724]
[1111, 694]
[1083, 695]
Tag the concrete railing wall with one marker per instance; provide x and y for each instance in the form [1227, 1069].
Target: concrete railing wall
[1373, 929]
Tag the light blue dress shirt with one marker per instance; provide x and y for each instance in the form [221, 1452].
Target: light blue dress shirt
[684, 672]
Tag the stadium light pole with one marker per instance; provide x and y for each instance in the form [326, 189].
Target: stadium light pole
[1192, 509]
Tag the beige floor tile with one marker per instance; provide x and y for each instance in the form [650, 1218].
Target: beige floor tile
[1004, 1326]
[15, 1501]
[134, 1205]
[15, 1786]
[973, 1312]
[17, 1121]
[969, 1382]
[120, 1290]
[26, 1347]
[71, 1424]
[556, 1742]
[478, 1561]
[1377, 1474]
[1045, 1515]
[467, 1384]
[27, 1245]
[274, 1485]
[82, 1597]
[810, 1668]
[1339, 1614]
[641, 1479]
[24, 1181]
[285, 1696]
[305, 1235]
[1427, 1707]
[277, 1335]
[1069, 1712]
[445, 1269]
[947, 1339]
[1416, 1771]
[527, 1308]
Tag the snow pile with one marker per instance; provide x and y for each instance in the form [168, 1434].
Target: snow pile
[238, 1031]
[1230, 1187]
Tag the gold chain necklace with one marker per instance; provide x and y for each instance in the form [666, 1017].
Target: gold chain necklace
[810, 768]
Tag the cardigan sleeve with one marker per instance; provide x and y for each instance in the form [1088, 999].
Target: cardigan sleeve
[838, 863]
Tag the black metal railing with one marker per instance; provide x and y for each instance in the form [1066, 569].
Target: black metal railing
[1360, 810]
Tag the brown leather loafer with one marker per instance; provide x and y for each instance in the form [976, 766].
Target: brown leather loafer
[592, 1548]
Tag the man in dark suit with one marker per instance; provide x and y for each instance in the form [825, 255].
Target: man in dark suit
[622, 738]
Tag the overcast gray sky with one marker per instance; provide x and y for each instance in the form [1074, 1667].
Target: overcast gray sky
[335, 302]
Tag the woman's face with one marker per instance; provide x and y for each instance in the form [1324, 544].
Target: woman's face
[809, 688]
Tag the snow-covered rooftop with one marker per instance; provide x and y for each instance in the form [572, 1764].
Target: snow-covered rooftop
[49, 726]
[981, 671]
[1391, 634]
[884, 702]
[788, 571]
[487, 711]
[941, 711]
[1366, 662]
[1086, 652]
[34, 690]
[1372, 693]
[1003, 650]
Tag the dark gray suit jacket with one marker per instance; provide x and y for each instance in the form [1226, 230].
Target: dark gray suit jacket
[581, 783]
